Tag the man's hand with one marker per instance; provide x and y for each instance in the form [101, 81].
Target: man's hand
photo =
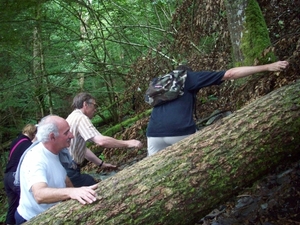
[134, 144]
[278, 66]
[109, 166]
[85, 195]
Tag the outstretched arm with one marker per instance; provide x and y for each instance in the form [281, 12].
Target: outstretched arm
[244, 71]
[110, 142]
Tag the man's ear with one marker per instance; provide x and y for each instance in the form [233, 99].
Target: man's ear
[52, 136]
[85, 104]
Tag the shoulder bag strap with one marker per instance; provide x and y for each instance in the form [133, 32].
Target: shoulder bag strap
[16, 145]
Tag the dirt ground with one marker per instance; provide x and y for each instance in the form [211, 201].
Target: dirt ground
[274, 200]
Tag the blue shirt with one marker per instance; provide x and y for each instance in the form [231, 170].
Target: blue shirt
[175, 118]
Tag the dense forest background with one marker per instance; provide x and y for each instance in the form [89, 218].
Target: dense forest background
[52, 50]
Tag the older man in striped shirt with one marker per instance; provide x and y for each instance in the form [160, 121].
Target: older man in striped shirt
[83, 130]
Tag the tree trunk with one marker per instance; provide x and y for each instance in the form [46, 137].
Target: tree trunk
[187, 180]
[248, 32]
[236, 17]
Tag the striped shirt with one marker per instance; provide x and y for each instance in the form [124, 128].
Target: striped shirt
[83, 130]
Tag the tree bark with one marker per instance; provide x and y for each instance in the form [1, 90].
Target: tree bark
[236, 19]
[248, 32]
[187, 180]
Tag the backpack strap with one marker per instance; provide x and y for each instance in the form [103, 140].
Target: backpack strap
[16, 145]
[17, 173]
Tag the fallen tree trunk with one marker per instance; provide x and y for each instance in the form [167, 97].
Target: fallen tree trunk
[185, 181]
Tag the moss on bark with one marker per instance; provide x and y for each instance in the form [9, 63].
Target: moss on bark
[255, 36]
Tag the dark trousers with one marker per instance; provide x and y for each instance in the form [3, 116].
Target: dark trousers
[19, 218]
[79, 179]
[13, 197]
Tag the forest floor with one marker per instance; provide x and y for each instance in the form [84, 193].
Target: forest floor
[273, 200]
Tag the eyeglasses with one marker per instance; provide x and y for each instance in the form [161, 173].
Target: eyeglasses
[94, 104]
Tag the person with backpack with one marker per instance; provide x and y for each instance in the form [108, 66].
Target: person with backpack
[84, 131]
[173, 121]
[17, 148]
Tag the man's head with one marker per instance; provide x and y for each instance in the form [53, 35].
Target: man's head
[54, 133]
[86, 103]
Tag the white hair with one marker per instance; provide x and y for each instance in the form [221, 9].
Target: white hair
[46, 126]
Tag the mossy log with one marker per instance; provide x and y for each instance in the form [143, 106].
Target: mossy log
[185, 181]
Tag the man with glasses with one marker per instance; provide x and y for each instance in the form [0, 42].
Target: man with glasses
[83, 130]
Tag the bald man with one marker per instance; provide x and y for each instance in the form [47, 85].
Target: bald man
[43, 180]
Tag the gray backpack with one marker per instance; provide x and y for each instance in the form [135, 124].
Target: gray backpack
[166, 87]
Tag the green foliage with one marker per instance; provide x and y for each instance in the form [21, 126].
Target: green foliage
[84, 47]
[3, 210]
[102, 157]
[3, 200]
[208, 99]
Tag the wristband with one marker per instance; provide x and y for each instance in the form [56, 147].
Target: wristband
[101, 163]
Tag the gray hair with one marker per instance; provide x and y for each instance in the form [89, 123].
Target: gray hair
[80, 98]
[46, 126]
